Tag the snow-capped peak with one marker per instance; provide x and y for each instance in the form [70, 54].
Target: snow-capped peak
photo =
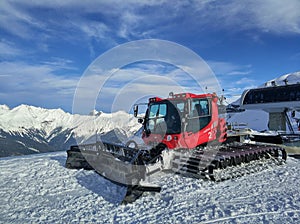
[4, 109]
[95, 113]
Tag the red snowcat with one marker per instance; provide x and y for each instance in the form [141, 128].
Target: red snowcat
[185, 133]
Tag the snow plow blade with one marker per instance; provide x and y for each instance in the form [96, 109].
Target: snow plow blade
[75, 160]
[115, 162]
[119, 164]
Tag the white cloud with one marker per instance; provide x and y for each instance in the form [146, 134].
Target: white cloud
[60, 63]
[228, 68]
[129, 22]
[279, 16]
[8, 49]
[246, 81]
[152, 85]
[109, 20]
[17, 21]
[233, 90]
[273, 16]
[227, 74]
[92, 29]
[120, 89]
[35, 84]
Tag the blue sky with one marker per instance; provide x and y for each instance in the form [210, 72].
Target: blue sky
[45, 46]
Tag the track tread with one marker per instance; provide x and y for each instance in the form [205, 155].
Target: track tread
[228, 158]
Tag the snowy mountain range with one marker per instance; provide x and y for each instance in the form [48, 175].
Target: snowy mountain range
[28, 129]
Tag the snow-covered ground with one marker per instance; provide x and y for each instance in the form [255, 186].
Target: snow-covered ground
[38, 189]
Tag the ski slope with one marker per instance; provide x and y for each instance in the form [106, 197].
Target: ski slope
[38, 189]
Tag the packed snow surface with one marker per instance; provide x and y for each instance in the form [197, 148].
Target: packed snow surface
[39, 189]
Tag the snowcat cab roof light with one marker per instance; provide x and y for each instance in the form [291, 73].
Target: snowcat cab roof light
[181, 95]
[177, 96]
[154, 99]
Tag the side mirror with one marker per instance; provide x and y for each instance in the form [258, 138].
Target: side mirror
[141, 120]
[135, 110]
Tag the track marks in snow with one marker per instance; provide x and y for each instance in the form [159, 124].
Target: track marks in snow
[260, 216]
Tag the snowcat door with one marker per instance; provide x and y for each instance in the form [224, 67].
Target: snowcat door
[197, 120]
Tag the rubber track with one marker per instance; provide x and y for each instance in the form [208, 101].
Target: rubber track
[219, 163]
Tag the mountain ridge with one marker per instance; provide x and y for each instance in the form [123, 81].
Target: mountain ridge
[28, 129]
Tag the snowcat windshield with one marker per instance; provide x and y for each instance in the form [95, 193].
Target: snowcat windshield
[164, 117]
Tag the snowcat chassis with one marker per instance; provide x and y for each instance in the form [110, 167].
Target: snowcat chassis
[128, 166]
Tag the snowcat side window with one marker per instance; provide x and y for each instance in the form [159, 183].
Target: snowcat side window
[199, 108]
[199, 115]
